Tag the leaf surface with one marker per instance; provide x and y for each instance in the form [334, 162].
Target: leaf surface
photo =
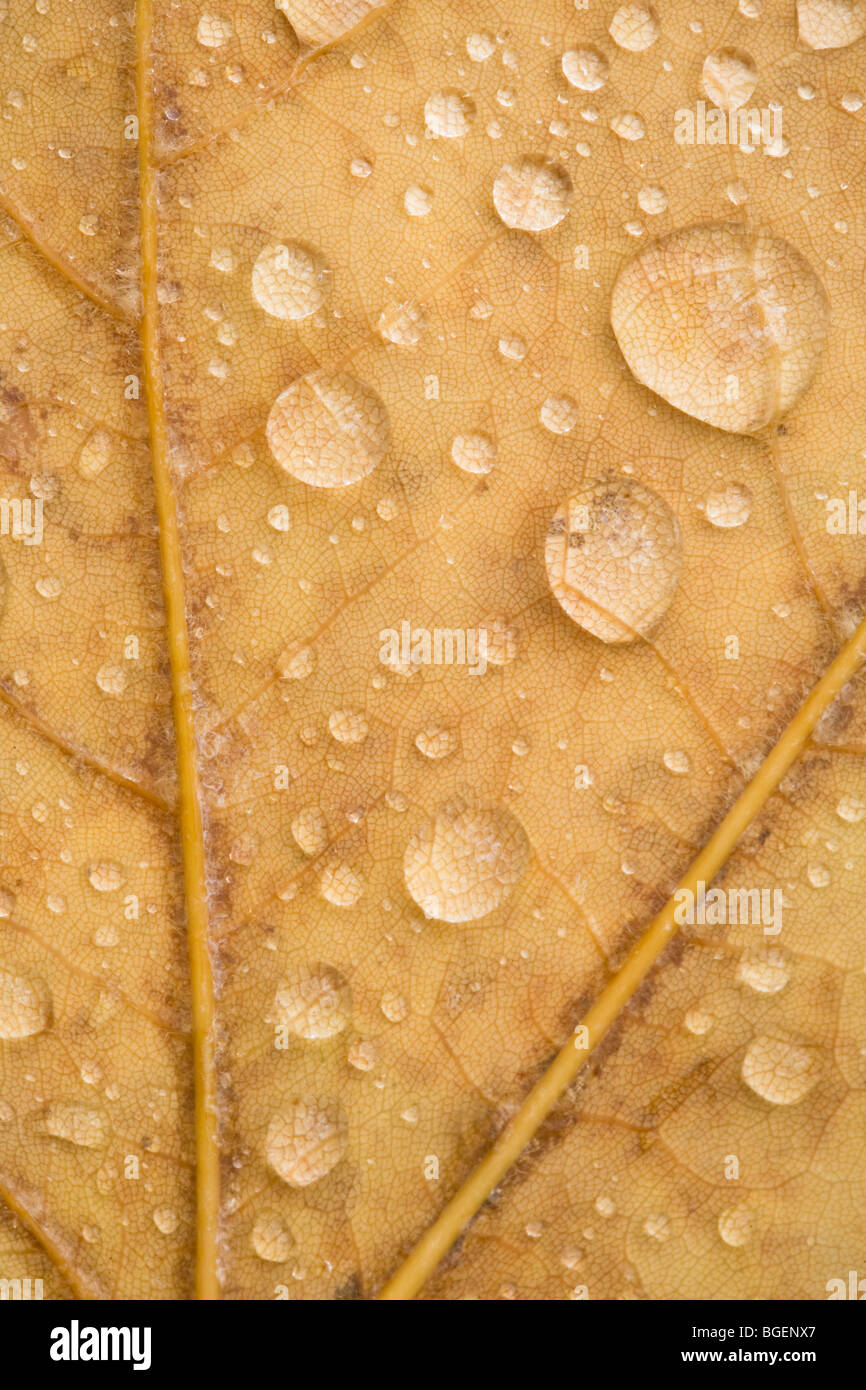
[237, 1057]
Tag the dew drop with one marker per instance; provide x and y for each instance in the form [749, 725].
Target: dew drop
[818, 875]
[729, 506]
[435, 742]
[76, 1124]
[213, 31]
[729, 77]
[340, 885]
[724, 324]
[585, 68]
[94, 456]
[25, 1006]
[317, 1004]
[532, 196]
[735, 1225]
[361, 1055]
[417, 201]
[558, 414]
[851, 809]
[780, 1071]
[105, 876]
[764, 970]
[830, 23]
[613, 556]
[165, 1220]
[628, 126]
[463, 862]
[652, 200]
[404, 325]
[328, 430]
[634, 27]
[474, 453]
[305, 1140]
[677, 761]
[289, 281]
[348, 726]
[360, 168]
[318, 22]
[310, 830]
[111, 680]
[448, 115]
[271, 1238]
[394, 1006]
[698, 1022]
[657, 1227]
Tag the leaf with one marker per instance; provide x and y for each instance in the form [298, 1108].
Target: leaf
[427, 325]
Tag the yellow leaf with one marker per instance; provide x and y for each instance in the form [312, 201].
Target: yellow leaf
[431, 626]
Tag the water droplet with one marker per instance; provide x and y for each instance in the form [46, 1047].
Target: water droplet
[474, 453]
[698, 1022]
[729, 77]
[558, 414]
[361, 1055]
[729, 506]
[851, 809]
[585, 68]
[404, 325]
[360, 168]
[657, 1227]
[830, 23]
[328, 430]
[7, 902]
[348, 726]
[296, 665]
[436, 743]
[677, 761]
[77, 1124]
[340, 885]
[165, 1220]
[213, 31]
[479, 47]
[512, 348]
[271, 1238]
[289, 281]
[310, 830]
[652, 200]
[463, 862]
[605, 1206]
[95, 454]
[532, 195]
[417, 201]
[25, 1005]
[724, 324]
[305, 1140]
[317, 1004]
[818, 875]
[735, 1225]
[394, 1006]
[780, 1071]
[764, 970]
[634, 27]
[111, 679]
[105, 876]
[613, 556]
[318, 22]
[628, 125]
[448, 115]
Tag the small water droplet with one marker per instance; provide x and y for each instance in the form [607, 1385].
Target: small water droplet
[764, 969]
[448, 114]
[735, 1225]
[213, 31]
[289, 281]
[462, 863]
[165, 1220]
[76, 1124]
[532, 196]
[729, 77]
[558, 414]
[474, 453]
[25, 1005]
[585, 68]
[779, 1070]
[328, 430]
[316, 1004]
[394, 1006]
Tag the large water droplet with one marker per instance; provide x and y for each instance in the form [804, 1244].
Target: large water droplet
[305, 1140]
[310, 830]
[316, 1004]
[340, 885]
[558, 414]
[830, 23]
[729, 77]
[271, 1238]
[403, 325]
[764, 969]
[213, 31]
[289, 281]
[729, 506]
[585, 68]
[25, 1005]
[613, 556]
[532, 195]
[634, 27]
[724, 324]
[462, 863]
[76, 1124]
[328, 430]
[474, 453]
[318, 22]
[779, 1070]
[448, 114]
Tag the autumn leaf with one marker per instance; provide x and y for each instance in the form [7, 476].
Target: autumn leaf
[431, 708]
